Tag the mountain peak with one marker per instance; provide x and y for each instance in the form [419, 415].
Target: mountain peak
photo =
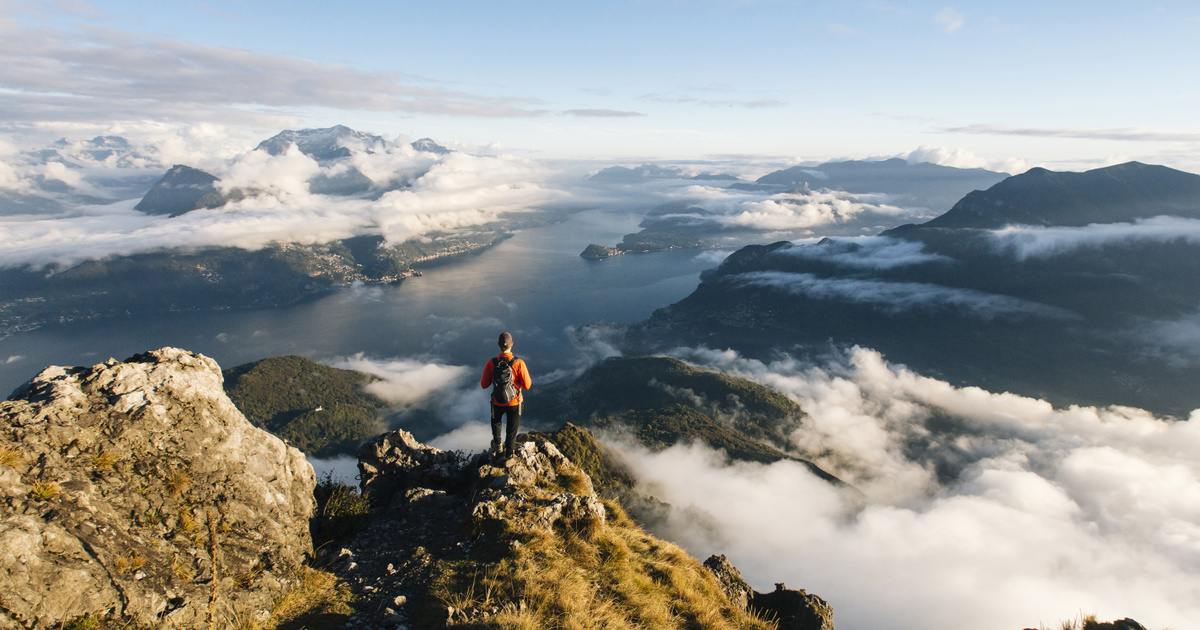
[327, 143]
[1039, 196]
[181, 190]
[429, 146]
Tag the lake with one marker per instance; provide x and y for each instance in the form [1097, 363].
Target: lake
[534, 284]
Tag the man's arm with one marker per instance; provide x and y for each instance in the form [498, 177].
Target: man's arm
[486, 381]
[522, 376]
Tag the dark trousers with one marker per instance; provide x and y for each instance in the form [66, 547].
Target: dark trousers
[514, 422]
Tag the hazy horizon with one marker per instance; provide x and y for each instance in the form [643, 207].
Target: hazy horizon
[1068, 86]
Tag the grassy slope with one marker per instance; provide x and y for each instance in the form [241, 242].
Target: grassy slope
[281, 394]
[608, 576]
[664, 401]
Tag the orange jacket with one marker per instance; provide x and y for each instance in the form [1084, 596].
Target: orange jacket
[521, 378]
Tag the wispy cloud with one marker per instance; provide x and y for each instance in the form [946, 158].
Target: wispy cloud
[1130, 134]
[1040, 242]
[692, 100]
[867, 252]
[950, 19]
[602, 113]
[90, 73]
[897, 297]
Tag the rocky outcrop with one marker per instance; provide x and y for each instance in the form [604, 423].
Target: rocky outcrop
[534, 489]
[730, 580]
[129, 486]
[793, 609]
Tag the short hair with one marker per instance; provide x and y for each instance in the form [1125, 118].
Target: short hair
[505, 340]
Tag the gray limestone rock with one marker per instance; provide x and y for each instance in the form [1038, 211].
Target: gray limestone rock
[123, 480]
[730, 580]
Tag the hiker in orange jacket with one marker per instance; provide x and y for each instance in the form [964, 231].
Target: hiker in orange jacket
[507, 376]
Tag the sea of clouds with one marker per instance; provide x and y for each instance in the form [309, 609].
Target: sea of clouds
[971, 508]
[441, 193]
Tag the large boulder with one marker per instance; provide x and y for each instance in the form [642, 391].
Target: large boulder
[128, 486]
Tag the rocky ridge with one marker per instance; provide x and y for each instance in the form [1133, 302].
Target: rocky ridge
[491, 542]
[137, 489]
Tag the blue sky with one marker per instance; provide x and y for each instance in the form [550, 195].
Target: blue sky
[1066, 84]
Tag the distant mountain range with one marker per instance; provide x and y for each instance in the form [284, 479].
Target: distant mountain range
[1054, 305]
[99, 171]
[922, 183]
[650, 172]
[218, 277]
[108, 169]
[185, 188]
[843, 198]
[1125, 192]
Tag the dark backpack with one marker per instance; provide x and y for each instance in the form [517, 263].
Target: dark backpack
[504, 386]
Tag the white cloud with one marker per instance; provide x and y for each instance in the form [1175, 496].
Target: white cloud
[866, 252]
[405, 381]
[471, 437]
[896, 297]
[283, 177]
[456, 191]
[791, 211]
[961, 158]
[1120, 134]
[1042, 242]
[87, 73]
[1045, 513]
[950, 19]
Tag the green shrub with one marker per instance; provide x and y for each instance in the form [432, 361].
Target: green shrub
[341, 511]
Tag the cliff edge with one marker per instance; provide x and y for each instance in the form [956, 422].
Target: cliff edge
[137, 489]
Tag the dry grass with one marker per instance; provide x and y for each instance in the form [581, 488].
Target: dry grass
[178, 482]
[1082, 622]
[103, 461]
[317, 600]
[593, 576]
[574, 481]
[185, 522]
[129, 564]
[45, 490]
[182, 569]
[10, 455]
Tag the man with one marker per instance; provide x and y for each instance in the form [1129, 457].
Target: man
[507, 376]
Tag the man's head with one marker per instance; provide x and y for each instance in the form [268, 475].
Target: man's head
[505, 342]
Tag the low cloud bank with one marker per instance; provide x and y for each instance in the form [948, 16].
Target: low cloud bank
[875, 253]
[959, 157]
[405, 381]
[897, 297]
[790, 211]
[981, 510]
[1025, 241]
[441, 193]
